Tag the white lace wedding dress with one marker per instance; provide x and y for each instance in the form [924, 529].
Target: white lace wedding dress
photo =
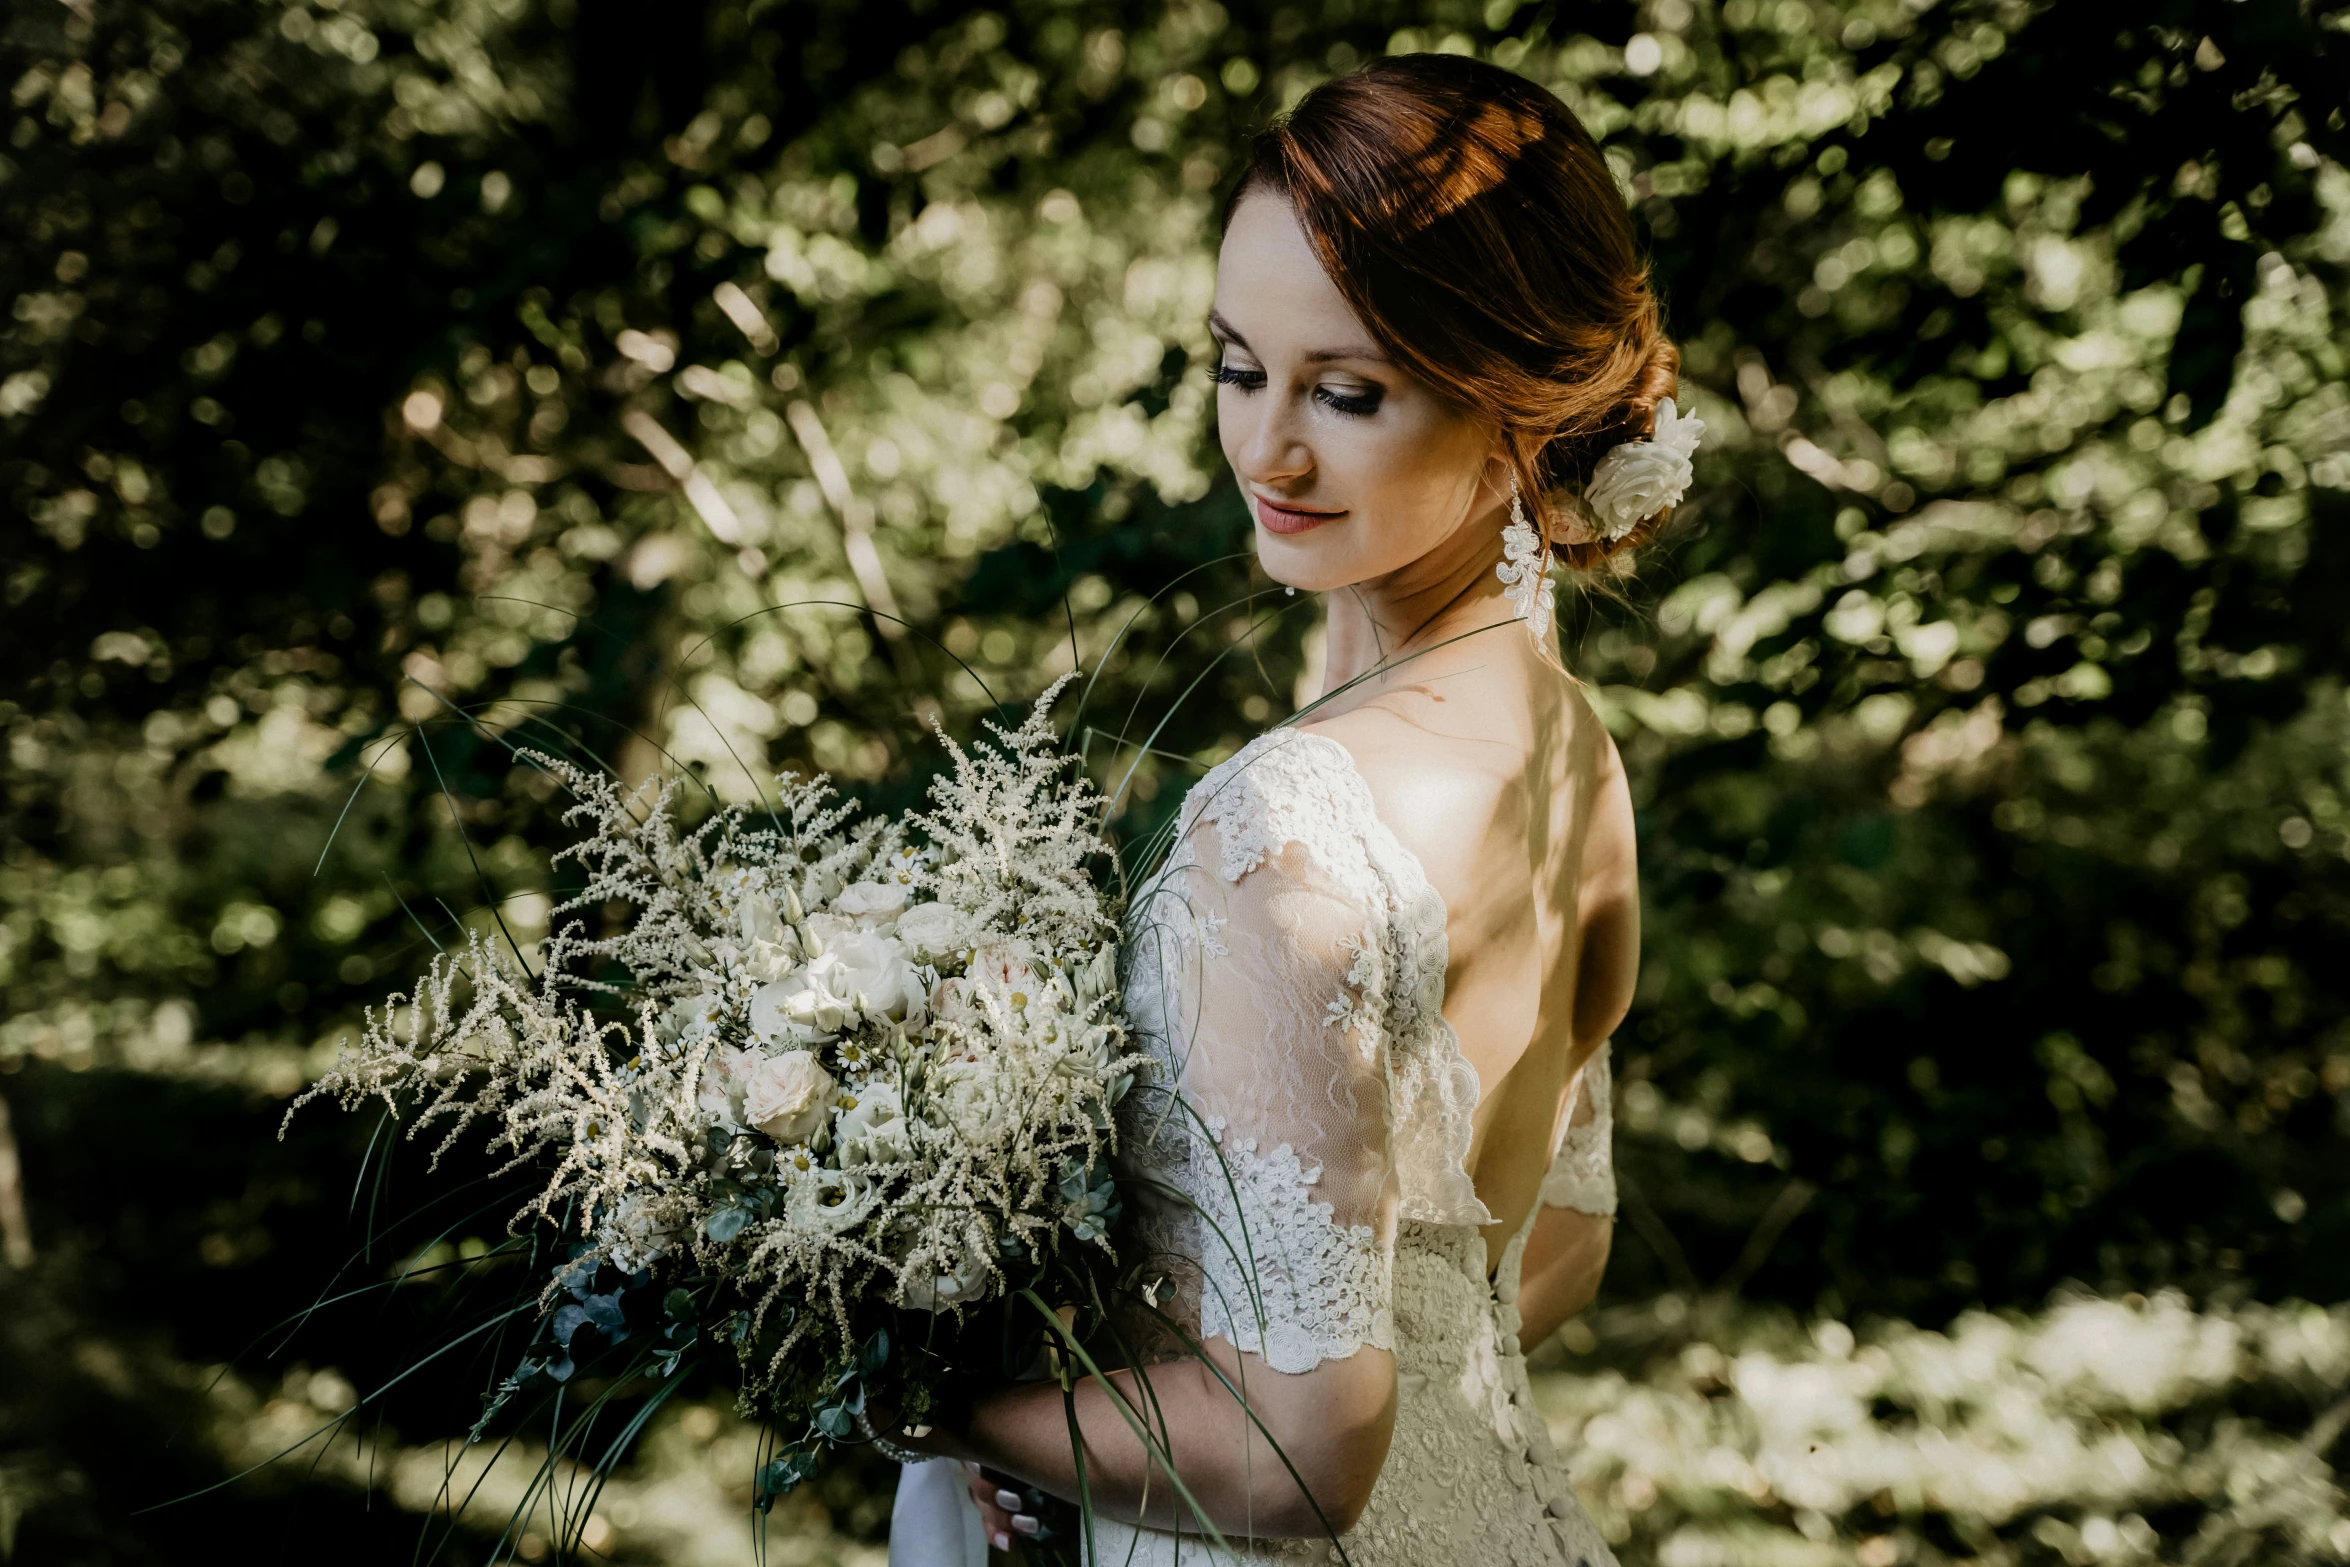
[1288, 966]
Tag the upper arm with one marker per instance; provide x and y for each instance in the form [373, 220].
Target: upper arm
[1261, 991]
[1607, 910]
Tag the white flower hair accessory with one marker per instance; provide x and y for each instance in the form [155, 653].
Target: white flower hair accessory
[1638, 479]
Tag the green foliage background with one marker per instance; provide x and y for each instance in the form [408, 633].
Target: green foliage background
[383, 380]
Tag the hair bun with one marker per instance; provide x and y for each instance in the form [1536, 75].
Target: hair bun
[1659, 377]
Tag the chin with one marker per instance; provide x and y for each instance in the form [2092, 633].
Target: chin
[1306, 561]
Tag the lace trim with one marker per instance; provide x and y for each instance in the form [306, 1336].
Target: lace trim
[1285, 787]
[1583, 1174]
[1321, 1290]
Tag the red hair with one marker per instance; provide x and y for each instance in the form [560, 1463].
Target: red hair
[1468, 218]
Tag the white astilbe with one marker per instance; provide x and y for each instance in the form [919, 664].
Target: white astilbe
[635, 854]
[1019, 828]
[479, 1041]
[757, 1075]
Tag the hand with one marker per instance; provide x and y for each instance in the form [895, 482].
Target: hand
[999, 1506]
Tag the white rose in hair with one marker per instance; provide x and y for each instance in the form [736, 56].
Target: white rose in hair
[872, 1127]
[871, 903]
[872, 969]
[1638, 479]
[788, 1096]
[934, 931]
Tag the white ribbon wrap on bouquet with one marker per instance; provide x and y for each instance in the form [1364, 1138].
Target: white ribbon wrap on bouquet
[934, 1522]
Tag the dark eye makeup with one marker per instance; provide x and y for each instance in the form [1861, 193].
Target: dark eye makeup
[1356, 404]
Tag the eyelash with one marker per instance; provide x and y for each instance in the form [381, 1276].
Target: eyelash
[1336, 402]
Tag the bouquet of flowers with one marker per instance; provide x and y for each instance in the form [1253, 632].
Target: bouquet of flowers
[813, 1088]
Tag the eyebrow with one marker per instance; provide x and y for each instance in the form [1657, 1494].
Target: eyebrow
[1319, 356]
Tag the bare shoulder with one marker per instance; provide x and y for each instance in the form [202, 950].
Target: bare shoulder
[1443, 782]
[1456, 773]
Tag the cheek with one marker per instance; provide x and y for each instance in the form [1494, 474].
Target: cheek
[1422, 481]
[1231, 414]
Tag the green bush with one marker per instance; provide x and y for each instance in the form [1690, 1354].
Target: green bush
[387, 384]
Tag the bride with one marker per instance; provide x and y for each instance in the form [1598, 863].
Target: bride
[1385, 956]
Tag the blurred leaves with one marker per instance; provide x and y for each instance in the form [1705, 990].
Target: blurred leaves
[386, 385]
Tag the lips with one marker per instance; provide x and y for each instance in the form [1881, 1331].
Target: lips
[1274, 517]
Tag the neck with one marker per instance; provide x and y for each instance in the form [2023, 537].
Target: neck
[1450, 591]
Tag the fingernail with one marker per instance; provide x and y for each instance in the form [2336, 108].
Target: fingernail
[917, 1432]
[1025, 1524]
[1009, 1501]
[1003, 1541]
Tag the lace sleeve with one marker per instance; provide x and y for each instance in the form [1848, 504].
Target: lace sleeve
[1583, 1173]
[1256, 972]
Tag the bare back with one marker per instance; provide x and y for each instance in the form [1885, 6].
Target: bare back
[1490, 765]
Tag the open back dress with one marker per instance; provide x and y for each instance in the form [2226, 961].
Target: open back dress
[1287, 966]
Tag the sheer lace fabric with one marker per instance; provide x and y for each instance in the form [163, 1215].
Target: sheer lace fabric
[1287, 965]
[1583, 1172]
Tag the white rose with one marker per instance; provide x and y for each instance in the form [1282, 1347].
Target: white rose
[804, 1006]
[871, 903]
[835, 1200]
[950, 1000]
[770, 947]
[872, 970]
[968, 1095]
[934, 931]
[771, 960]
[760, 921]
[719, 1095]
[690, 1019]
[961, 1276]
[1638, 479]
[872, 1127]
[788, 1096]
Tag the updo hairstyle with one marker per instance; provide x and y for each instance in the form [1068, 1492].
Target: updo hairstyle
[1468, 218]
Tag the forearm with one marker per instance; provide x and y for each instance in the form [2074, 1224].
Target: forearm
[1331, 1425]
[1564, 1259]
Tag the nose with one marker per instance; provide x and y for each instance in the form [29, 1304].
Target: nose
[1265, 446]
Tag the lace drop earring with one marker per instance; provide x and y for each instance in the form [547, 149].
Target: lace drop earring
[1525, 568]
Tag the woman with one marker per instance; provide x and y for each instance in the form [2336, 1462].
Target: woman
[1387, 951]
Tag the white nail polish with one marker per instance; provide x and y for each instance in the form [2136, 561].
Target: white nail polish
[1003, 1541]
[1009, 1501]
